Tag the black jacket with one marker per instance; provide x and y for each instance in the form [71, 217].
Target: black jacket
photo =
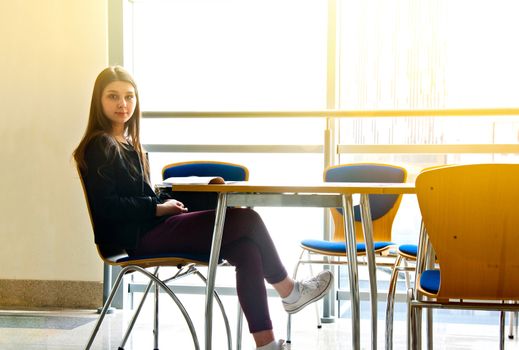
[123, 207]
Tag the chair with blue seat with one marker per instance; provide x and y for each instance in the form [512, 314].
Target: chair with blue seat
[226, 170]
[470, 218]
[406, 254]
[383, 212]
[186, 264]
[405, 261]
[196, 201]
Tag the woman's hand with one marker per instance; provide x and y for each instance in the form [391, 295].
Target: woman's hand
[170, 207]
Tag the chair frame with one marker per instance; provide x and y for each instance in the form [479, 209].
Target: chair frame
[141, 265]
[397, 269]
[401, 265]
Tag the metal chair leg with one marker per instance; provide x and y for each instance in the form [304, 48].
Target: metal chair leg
[391, 304]
[410, 339]
[318, 316]
[222, 309]
[135, 316]
[289, 329]
[105, 308]
[175, 299]
[289, 317]
[407, 274]
[239, 327]
[316, 307]
[177, 302]
[502, 315]
[429, 327]
[156, 319]
[418, 320]
[513, 325]
[516, 319]
[410, 321]
[225, 320]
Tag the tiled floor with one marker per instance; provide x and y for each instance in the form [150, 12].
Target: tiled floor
[70, 329]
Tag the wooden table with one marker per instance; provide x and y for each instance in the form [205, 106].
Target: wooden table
[323, 194]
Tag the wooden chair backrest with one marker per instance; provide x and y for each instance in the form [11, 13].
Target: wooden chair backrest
[108, 255]
[383, 207]
[471, 216]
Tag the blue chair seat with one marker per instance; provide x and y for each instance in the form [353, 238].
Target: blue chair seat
[430, 281]
[408, 249]
[339, 247]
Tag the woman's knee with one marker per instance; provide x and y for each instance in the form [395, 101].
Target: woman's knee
[247, 214]
[243, 222]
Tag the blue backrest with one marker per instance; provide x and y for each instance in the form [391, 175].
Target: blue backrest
[228, 171]
[196, 201]
[380, 204]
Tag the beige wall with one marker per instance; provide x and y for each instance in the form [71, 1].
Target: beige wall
[50, 54]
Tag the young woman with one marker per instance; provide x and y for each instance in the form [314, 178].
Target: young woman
[127, 214]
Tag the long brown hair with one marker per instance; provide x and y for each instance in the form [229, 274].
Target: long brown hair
[100, 125]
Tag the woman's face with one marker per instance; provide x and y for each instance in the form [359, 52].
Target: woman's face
[118, 100]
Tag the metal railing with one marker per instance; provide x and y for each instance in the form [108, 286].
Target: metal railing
[339, 148]
[464, 112]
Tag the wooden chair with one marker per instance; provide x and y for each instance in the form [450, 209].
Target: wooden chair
[196, 201]
[405, 262]
[229, 171]
[383, 212]
[406, 258]
[186, 264]
[471, 222]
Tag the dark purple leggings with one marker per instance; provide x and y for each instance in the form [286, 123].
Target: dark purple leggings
[246, 244]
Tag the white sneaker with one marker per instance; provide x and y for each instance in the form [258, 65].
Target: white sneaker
[282, 345]
[311, 290]
[279, 345]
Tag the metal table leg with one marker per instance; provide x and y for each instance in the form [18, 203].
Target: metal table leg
[351, 248]
[367, 227]
[213, 263]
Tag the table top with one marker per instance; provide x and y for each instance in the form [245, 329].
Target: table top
[303, 188]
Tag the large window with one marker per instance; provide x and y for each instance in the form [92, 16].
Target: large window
[230, 55]
[429, 54]
[432, 54]
[310, 55]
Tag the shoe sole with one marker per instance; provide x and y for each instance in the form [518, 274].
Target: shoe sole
[319, 297]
